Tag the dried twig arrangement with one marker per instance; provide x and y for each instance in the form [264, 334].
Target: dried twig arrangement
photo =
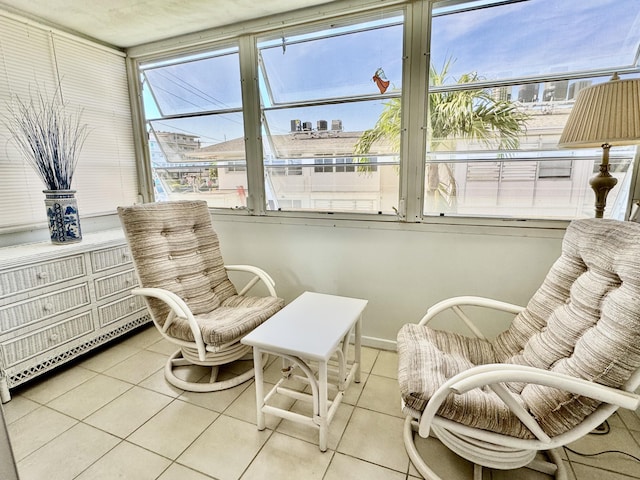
[49, 137]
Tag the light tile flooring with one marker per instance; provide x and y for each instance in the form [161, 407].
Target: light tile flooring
[112, 415]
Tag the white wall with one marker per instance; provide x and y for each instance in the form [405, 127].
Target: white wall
[400, 270]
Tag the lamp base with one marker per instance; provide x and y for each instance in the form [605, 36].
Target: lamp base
[603, 182]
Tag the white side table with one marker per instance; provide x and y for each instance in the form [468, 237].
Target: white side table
[313, 328]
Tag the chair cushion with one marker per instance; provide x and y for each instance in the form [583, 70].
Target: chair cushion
[235, 317]
[176, 248]
[427, 358]
[583, 321]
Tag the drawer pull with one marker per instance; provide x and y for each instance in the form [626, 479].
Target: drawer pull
[132, 306]
[53, 337]
[42, 275]
[48, 307]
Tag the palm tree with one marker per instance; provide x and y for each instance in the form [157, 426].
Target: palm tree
[468, 114]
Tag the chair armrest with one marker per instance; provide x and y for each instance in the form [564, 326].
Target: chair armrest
[504, 372]
[454, 303]
[494, 375]
[178, 309]
[258, 273]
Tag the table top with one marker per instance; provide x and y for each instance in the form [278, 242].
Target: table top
[310, 327]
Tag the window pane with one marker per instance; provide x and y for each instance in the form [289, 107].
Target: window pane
[190, 162]
[193, 107]
[325, 130]
[493, 150]
[518, 187]
[535, 37]
[328, 124]
[335, 62]
[327, 187]
[204, 85]
[527, 176]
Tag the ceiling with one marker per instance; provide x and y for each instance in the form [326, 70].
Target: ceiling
[127, 23]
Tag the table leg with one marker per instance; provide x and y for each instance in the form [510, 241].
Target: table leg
[323, 402]
[358, 344]
[259, 384]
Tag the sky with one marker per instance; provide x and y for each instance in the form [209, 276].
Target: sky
[519, 39]
[538, 36]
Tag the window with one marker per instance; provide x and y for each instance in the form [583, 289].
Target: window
[235, 167]
[498, 155]
[555, 169]
[193, 107]
[345, 165]
[409, 111]
[319, 97]
[324, 169]
[284, 167]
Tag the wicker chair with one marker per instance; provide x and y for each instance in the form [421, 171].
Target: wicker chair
[569, 360]
[184, 281]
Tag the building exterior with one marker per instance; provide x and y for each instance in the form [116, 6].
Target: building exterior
[314, 168]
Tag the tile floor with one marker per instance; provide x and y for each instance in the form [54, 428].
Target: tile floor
[112, 415]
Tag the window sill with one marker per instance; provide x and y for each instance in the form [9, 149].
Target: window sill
[444, 224]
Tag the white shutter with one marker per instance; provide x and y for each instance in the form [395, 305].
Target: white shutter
[92, 78]
[519, 171]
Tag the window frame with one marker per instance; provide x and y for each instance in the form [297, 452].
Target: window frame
[416, 58]
[456, 6]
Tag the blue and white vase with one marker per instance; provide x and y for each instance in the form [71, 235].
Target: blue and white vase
[62, 212]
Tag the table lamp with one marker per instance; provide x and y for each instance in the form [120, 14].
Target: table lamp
[604, 115]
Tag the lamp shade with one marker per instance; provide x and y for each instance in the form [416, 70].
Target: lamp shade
[606, 113]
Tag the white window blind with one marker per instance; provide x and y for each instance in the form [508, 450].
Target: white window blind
[91, 78]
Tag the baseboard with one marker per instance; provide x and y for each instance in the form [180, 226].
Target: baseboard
[380, 343]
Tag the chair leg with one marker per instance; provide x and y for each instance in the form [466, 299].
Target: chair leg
[412, 451]
[176, 360]
[554, 467]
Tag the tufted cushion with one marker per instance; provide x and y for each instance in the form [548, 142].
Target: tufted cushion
[427, 358]
[234, 318]
[584, 321]
[175, 247]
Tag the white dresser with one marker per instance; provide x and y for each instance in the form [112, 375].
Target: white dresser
[58, 302]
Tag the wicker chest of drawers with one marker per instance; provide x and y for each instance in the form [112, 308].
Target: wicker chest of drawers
[59, 302]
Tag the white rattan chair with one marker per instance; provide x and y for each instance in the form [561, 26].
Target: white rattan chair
[191, 300]
[569, 360]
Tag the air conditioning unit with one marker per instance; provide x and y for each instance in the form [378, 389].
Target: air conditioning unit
[296, 125]
[336, 125]
[322, 125]
[307, 126]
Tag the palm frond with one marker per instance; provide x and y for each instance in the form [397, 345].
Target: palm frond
[471, 114]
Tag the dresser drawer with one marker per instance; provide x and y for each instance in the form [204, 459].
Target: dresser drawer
[110, 257]
[41, 341]
[45, 306]
[119, 282]
[59, 302]
[114, 311]
[40, 275]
